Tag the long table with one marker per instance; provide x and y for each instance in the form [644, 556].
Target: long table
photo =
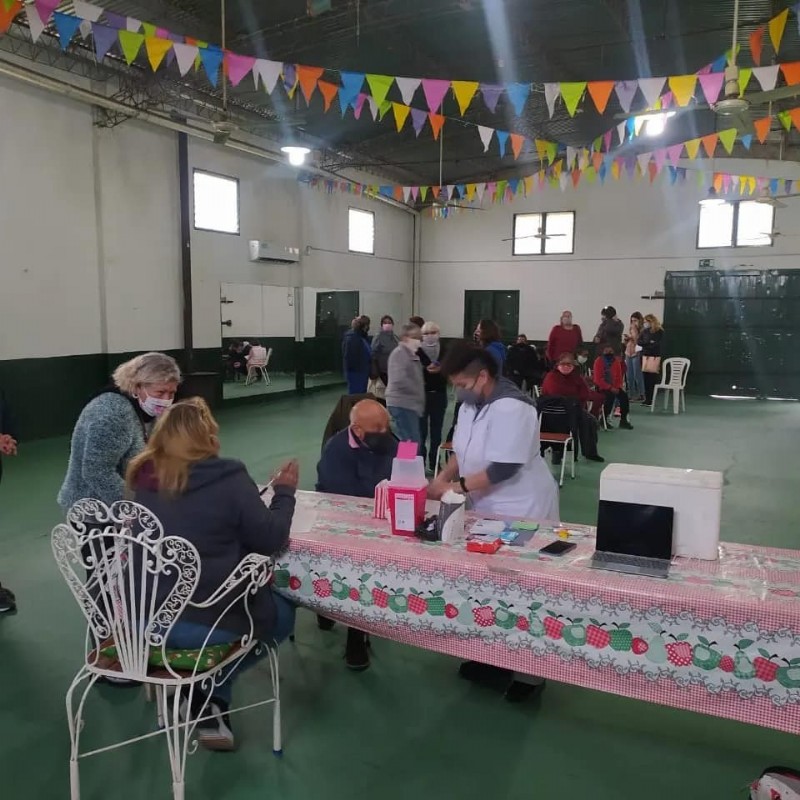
[719, 638]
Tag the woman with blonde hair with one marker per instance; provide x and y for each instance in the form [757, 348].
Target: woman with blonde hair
[113, 428]
[650, 340]
[213, 503]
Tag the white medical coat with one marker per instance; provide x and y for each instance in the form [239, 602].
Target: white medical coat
[507, 431]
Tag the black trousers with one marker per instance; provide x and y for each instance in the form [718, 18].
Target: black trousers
[624, 404]
[432, 422]
[650, 381]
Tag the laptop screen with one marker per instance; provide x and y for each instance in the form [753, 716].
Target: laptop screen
[634, 529]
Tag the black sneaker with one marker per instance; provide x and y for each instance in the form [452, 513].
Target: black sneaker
[625, 425]
[518, 691]
[356, 654]
[595, 457]
[486, 675]
[324, 624]
[8, 602]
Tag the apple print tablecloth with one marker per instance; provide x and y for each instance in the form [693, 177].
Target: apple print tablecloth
[721, 638]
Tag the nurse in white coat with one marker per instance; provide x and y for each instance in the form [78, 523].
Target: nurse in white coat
[497, 463]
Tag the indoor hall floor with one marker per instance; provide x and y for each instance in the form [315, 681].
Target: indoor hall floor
[408, 727]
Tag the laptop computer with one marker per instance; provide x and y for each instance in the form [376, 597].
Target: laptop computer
[634, 538]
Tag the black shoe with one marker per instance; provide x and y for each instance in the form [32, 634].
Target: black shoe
[519, 691]
[325, 624]
[8, 602]
[486, 675]
[595, 457]
[356, 654]
[625, 425]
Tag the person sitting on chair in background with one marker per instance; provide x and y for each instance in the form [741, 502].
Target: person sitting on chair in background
[564, 338]
[608, 376]
[8, 447]
[650, 341]
[356, 356]
[405, 392]
[432, 421]
[213, 503]
[523, 365]
[382, 346]
[564, 380]
[609, 331]
[354, 462]
[583, 366]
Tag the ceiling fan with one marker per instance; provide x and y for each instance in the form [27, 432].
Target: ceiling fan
[776, 202]
[733, 110]
[439, 204]
[538, 235]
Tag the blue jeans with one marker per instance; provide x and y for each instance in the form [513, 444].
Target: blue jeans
[188, 635]
[406, 424]
[633, 365]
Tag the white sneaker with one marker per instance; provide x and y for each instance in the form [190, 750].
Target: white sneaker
[216, 733]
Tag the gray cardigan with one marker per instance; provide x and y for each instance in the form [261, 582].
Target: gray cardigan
[406, 387]
[107, 435]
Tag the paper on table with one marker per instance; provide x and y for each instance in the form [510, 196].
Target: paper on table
[304, 520]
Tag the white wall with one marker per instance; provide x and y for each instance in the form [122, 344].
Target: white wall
[628, 234]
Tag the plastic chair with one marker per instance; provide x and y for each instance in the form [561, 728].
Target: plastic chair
[114, 560]
[673, 379]
[257, 365]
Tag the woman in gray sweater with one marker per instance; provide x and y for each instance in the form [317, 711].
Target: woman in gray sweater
[405, 392]
[113, 428]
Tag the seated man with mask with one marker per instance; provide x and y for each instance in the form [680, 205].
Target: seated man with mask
[354, 462]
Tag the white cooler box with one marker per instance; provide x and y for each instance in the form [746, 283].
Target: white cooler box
[696, 496]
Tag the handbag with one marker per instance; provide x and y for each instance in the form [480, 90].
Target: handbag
[375, 387]
[651, 364]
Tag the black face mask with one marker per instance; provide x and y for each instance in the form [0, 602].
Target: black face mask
[378, 443]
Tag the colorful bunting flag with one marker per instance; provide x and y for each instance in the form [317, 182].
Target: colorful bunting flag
[407, 87]
[35, 24]
[45, 9]
[236, 67]
[552, 91]
[104, 38]
[270, 71]
[211, 59]
[785, 119]
[434, 91]
[747, 140]
[744, 79]
[757, 44]
[502, 139]
[626, 90]
[791, 72]
[437, 121]
[148, 27]
[776, 26]
[66, 27]
[674, 153]
[692, 147]
[87, 11]
[156, 48]
[711, 84]
[767, 77]
[491, 94]
[572, 93]
[518, 95]
[289, 73]
[379, 86]
[762, 128]
[418, 118]
[464, 91]
[710, 143]
[351, 88]
[117, 21]
[651, 88]
[794, 115]
[599, 91]
[8, 13]
[328, 92]
[185, 55]
[401, 113]
[133, 25]
[130, 43]
[728, 137]
[517, 143]
[682, 87]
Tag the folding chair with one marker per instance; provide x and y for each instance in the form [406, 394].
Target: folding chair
[557, 415]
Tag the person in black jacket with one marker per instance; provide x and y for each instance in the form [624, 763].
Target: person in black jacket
[650, 340]
[523, 364]
[8, 447]
[214, 504]
[354, 461]
[357, 356]
[432, 420]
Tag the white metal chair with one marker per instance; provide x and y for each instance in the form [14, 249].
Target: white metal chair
[132, 584]
[673, 379]
[257, 365]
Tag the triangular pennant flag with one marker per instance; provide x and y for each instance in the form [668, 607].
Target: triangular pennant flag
[7, 14]
[785, 119]
[711, 84]
[491, 188]
[45, 8]
[590, 174]
[414, 193]
[572, 153]
[762, 128]
[615, 169]
[607, 140]
[791, 72]
[358, 106]
[131, 43]
[673, 175]
[379, 86]
[682, 87]
[401, 113]
[599, 91]
[418, 117]
[116, 21]
[576, 177]
[480, 189]
[727, 138]
[583, 161]
[237, 66]
[529, 185]
[406, 194]
[289, 73]
[674, 153]
[384, 108]
[66, 26]
[552, 91]
[269, 72]
[517, 143]
[148, 27]
[651, 88]
[185, 54]
[502, 139]
[710, 143]
[776, 27]
[660, 158]
[437, 190]
[621, 131]
[470, 187]
[518, 95]
[767, 77]
[643, 159]
[563, 181]
[407, 87]
[597, 160]
[551, 148]
[757, 44]
[434, 90]
[692, 147]
[87, 11]
[572, 93]
[486, 136]
[773, 186]
[744, 78]
[541, 149]
[491, 94]
[666, 100]
[104, 38]
[133, 25]
[156, 49]
[211, 59]
[747, 140]
[437, 120]
[794, 115]
[626, 90]
[35, 24]
[653, 170]
[352, 82]
[328, 92]
[464, 91]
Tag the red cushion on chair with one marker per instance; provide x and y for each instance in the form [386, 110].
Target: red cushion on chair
[560, 438]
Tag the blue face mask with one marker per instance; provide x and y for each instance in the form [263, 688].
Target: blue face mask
[609, 359]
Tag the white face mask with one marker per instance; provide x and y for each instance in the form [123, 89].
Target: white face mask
[413, 344]
[430, 338]
[581, 359]
[647, 326]
[154, 406]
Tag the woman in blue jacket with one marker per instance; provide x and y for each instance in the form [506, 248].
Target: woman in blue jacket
[487, 335]
[357, 355]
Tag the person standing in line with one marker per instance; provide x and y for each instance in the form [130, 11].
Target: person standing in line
[608, 377]
[356, 356]
[487, 335]
[651, 342]
[8, 447]
[633, 358]
[435, 393]
[609, 333]
[382, 346]
[565, 337]
[405, 391]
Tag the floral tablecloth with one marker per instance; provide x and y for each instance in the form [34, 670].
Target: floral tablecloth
[720, 638]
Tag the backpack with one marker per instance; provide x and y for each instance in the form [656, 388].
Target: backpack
[776, 783]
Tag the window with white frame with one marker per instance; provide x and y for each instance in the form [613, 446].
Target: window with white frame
[542, 234]
[746, 223]
[361, 231]
[216, 202]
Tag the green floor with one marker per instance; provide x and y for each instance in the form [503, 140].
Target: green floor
[407, 728]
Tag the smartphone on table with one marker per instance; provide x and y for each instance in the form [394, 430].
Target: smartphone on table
[557, 548]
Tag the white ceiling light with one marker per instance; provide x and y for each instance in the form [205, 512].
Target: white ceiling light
[297, 155]
[654, 124]
[713, 199]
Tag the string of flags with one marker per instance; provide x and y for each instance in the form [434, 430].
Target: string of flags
[130, 37]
